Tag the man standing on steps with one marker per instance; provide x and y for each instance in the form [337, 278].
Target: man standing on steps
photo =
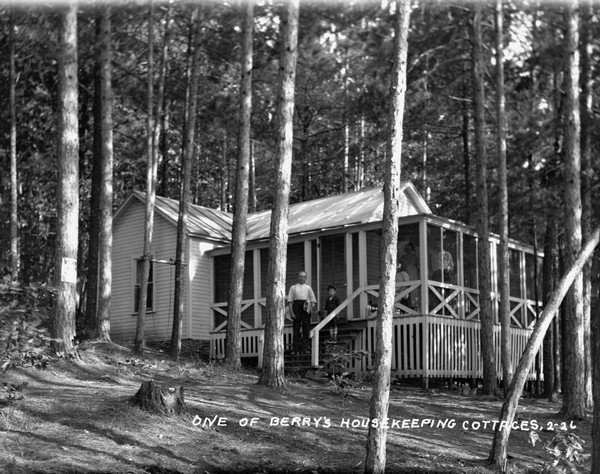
[301, 300]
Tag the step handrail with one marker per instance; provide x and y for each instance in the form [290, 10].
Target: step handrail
[314, 333]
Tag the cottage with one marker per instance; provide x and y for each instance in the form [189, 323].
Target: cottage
[336, 240]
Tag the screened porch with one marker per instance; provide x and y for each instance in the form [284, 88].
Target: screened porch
[437, 308]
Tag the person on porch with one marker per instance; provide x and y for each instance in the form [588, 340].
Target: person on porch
[301, 299]
[331, 303]
[442, 264]
[401, 277]
[410, 264]
[442, 268]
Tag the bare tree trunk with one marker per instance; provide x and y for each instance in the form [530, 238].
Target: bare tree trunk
[106, 189]
[273, 374]
[466, 153]
[233, 347]
[140, 339]
[595, 343]
[99, 274]
[14, 216]
[498, 453]
[224, 174]
[184, 196]
[587, 84]
[574, 387]
[91, 286]
[62, 324]
[360, 159]
[483, 243]
[377, 436]
[503, 261]
[549, 278]
[252, 179]
[161, 123]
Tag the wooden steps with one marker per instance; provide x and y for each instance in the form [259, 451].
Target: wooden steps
[346, 334]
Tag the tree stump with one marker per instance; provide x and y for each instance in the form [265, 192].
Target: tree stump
[165, 400]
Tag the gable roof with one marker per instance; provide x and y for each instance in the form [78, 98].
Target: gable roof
[202, 221]
[340, 210]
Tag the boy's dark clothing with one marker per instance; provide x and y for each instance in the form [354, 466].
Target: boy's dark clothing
[330, 304]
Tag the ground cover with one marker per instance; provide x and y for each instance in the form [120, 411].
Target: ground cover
[75, 416]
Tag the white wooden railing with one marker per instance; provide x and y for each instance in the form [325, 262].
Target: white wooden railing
[436, 346]
[424, 345]
[252, 341]
[314, 333]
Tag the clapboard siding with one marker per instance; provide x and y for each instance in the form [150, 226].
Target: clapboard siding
[200, 289]
[129, 245]
[127, 242]
[128, 238]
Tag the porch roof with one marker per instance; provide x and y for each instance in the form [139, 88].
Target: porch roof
[341, 210]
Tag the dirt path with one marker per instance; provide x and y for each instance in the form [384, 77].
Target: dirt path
[74, 417]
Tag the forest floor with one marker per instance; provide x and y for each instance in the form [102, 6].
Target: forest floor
[75, 416]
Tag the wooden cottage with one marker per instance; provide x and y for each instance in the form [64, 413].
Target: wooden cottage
[336, 240]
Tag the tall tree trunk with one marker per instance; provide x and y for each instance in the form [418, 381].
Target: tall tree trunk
[595, 344]
[233, 348]
[161, 122]
[550, 272]
[483, 244]
[272, 374]
[252, 179]
[62, 324]
[360, 159]
[91, 287]
[14, 216]
[140, 339]
[503, 261]
[184, 196]
[587, 84]
[377, 436]
[99, 275]
[224, 173]
[574, 386]
[466, 151]
[106, 190]
[498, 453]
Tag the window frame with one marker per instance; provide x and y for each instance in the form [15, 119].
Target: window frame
[151, 297]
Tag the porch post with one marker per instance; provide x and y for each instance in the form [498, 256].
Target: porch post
[495, 287]
[460, 276]
[308, 262]
[362, 270]
[424, 301]
[256, 287]
[523, 272]
[189, 278]
[349, 273]
[308, 268]
[261, 346]
[423, 267]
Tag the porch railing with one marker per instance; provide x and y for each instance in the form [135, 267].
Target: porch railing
[423, 344]
[253, 341]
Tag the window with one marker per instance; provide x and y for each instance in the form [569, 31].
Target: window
[470, 261]
[139, 265]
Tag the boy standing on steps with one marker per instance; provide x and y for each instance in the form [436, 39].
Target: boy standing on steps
[331, 303]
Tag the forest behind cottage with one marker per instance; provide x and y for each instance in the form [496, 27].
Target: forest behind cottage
[495, 124]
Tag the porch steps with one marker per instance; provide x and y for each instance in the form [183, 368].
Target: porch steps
[346, 334]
